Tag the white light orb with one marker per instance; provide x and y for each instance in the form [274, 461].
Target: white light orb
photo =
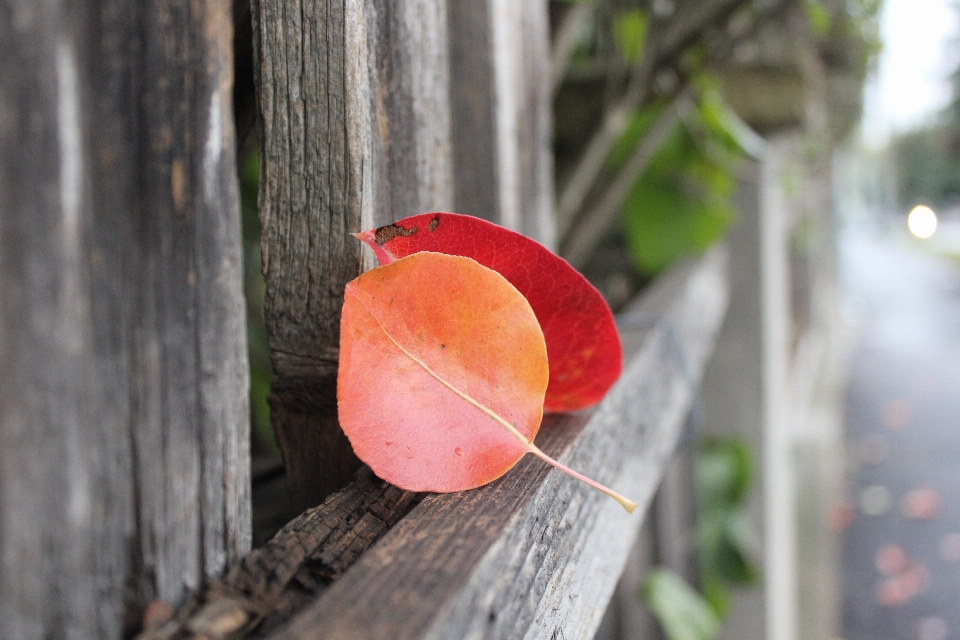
[922, 222]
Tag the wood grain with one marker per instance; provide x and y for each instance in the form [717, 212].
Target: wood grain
[536, 553]
[280, 578]
[355, 133]
[124, 470]
[502, 125]
[530, 555]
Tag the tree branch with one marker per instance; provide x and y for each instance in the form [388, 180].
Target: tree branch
[677, 34]
[591, 227]
[565, 42]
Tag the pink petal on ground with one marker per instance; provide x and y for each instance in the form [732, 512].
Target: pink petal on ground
[896, 414]
[840, 516]
[914, 579]
[890, 559]
[890, 593]
[921, 504]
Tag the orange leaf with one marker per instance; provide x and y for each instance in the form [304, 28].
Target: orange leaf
[442, 376]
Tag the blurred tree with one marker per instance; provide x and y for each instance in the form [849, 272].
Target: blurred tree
[928, 165]
[928, 157]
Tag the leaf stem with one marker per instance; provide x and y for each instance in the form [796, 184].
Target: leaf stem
[626, 503]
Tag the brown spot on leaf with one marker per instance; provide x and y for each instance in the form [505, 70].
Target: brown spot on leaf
[434, 223]
[391, 231]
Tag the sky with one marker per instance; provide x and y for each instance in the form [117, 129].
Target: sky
[918, 54]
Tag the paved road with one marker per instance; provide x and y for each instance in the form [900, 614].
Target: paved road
[901, 551]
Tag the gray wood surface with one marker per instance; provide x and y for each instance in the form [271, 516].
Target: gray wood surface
[738, 405]
[501, 97]
[283, 576]
[536, 554]
[355, 133]
[124, 469]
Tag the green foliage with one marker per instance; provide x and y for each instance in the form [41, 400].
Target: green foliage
[864, 24]
[681, 611]
[630, 33]
[928, 167]
[928, 158]
[724, 476]
[258, 347]
[819, 17]
[682, 203]
[849, 33]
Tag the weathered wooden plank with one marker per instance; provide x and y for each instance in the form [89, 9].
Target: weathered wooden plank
[626, 617]
[355, 133]
[668, 539]
[280, 578]
[675, 508]
[124, 430]
[501, 97]
[536, 553]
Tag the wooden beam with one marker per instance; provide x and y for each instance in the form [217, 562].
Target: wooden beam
[280, 578]
[124, 465]
[355, 133]
[502, 124]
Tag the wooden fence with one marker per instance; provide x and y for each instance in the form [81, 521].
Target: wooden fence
[124, 464]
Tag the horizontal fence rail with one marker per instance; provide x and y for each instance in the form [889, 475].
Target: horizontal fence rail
[525, 556]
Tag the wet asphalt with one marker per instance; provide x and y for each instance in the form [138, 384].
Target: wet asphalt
[900, 524]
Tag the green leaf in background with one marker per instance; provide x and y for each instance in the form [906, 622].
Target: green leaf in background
[715, 593]
[258, 347]
[638, 127]
[724, 474]
[819, 17]
[667, 222]
[682, 203]
[630, 34]
[682, 612]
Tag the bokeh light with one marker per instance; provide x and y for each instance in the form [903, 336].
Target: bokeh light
[922, 222]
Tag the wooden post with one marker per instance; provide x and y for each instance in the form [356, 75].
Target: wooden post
[355, 133]
[124, 470]
[500, 86]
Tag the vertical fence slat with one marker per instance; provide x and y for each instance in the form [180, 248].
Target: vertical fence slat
[123, 414]
[355, 133]
[502, 124]
[735, 406]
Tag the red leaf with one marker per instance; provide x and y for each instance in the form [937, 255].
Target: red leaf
[583, 344]
[442, 374]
